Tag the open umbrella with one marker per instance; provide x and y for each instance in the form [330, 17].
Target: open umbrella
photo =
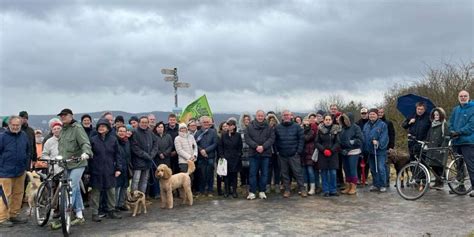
[406, 104]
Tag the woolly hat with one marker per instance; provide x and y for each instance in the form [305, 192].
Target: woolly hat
[54, 121]
[119, 119]
[182, 125]
[133, 118]
[373, 110]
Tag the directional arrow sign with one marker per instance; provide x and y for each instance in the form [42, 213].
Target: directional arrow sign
[167, 71]
[182, 84]
[170, 78]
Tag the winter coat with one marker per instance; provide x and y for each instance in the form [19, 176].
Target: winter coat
[73, 142]
[230, 148]
[289, 139]
[90, 131]
[14, 154]
[437, 138]
[375, 131]
[351, 136]
[31, 139]
[50, 151]
[126, 155]
[165, 146]
[106, 160]
[207, 140]
[310, 133]
[361, 123]
[419, 129]
[144, 148]
[391, 132]
[260, 134]
[186, 147]
[462, 122]
[328, 138]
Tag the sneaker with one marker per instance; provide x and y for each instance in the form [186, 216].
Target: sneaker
[471, 194]
[326, 194]
[78, 221]
[383, 189]
[6, 223]
[304, 194]
[114, 215]
[102, 215]
[251, 196]
[334, 194]
[55, 225]
[460, 189]
[373, 189]
[96, 218]
[286, 194]
[18, 220]
[262, 195]
[123, 208]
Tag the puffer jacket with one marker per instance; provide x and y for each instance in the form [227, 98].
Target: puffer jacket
[14, 154]
[229, 148]
[462, 121]
[186, 147]
[289, 139]
[260, 134]
[350, 132]
[375, 131]
[73, 142]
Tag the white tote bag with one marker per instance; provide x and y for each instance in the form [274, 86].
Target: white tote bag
[222, 167]
[315, 155]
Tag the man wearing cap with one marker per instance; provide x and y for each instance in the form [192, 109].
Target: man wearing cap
[31, 136]
[375, 144]
[14, 155]
[364, 118]
[74, 142]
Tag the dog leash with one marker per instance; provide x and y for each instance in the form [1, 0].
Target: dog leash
[4, 198]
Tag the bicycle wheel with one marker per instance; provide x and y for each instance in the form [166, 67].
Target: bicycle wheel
[457, 177]
[417, 179]
[65, 209]
[43, 204]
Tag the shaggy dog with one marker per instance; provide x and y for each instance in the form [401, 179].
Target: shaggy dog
[398, 159]
[170, 182]
[136, 200]
[32, 190]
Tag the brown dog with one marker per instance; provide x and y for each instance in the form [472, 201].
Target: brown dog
[170, 182]
[32, 190]
[136, 200]
[398, 159]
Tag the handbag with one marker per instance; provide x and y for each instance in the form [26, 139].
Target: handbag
[315, 155]
[222, 167]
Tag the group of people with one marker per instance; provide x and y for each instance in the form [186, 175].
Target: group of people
[262, 151]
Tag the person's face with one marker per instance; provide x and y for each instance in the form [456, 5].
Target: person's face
[152, 120]
[225, 127]
[260, 116]
[143, 124]
[319, 118]
[327, 120]
[66, 118]
[102, 129]
[119, 123]
[15, 125]
[231, 127]
[172, 121]
[129, 133]
[373, 116]
[436, 116]
[192, 127]
[160, 129]
[183, 130]
[246, 120]
[420, 110]
[364, 115]
[134, 124]
[86, 122]
[286, 116]
[122, 132]
[306, 122]
[333, 109]
[463, 97]
[381, 113]
[56, 130]
[24, 120]
[312, 119]
[206, 123]
[110, 118]
[298, 120]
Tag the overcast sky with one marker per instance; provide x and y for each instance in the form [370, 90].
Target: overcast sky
[244, 55]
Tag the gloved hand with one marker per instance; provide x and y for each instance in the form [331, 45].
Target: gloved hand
[327, 153]
[84, 156]
[454, 134]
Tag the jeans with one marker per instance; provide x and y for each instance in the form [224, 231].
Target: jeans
[140, 180]
[350, 168]
[309, 176]
[75, 176]
[258, 163]
[121, 196]
[379, 178]
[328, 180]
[154, 186]
[292, 163]
[206, 170]
[468, 152]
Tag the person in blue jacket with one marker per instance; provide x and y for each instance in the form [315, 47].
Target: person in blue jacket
[461, 125]
[375, 144]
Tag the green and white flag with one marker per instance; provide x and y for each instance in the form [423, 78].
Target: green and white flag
[196, 109]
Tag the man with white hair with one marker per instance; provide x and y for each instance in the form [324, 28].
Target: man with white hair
[206, 139]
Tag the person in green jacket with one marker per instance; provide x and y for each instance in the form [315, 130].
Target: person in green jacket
[74, 142]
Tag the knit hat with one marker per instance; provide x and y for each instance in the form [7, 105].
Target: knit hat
[23, 114]
[86, 116]
[56, 123]
[133, 118]
[53, 121]
[182, 125]
[119, 119]
[373, 110]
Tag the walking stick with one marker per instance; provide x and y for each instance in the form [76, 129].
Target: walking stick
[376, 161]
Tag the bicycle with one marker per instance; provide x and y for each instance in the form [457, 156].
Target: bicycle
[417, 174]
[50, 196]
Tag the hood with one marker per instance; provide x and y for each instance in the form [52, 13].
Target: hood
[346, 120]
[442, 114]
[272, 116]
[105, 122]
[334, 129]
[240, 124]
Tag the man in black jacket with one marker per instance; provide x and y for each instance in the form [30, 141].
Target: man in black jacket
[364, 118]
[418, 126]
[391, 139]
[260, 138]
[289, 145]
[173, 130]
[31, 136]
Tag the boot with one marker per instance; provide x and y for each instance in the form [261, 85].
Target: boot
[312, 189]
[347, 188]
[353, 189]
